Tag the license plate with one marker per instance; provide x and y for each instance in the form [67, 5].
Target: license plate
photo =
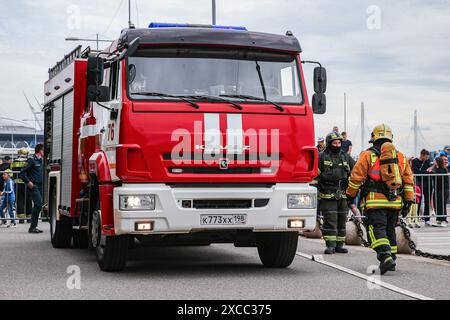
[223, 219]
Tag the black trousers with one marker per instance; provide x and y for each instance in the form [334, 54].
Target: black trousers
[36, 196]
[334, 214]
[381, 231]
[440, 203]
[426, 187]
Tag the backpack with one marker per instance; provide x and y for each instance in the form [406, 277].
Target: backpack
[391, 173]
[387, 167]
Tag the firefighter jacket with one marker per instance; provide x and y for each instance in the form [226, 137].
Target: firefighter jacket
[364, 173]
[33, 171]
[334, 171]
[18, 165]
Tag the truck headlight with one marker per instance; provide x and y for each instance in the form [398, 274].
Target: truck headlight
[137, 202]
[301, 201]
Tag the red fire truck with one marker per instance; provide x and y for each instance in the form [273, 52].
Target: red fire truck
[182, 135]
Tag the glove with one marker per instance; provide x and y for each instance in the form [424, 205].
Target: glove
[406, 208]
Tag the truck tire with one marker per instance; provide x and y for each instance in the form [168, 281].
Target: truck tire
[60, 230]
[80, 239]
[112, 254]
[111, 251]
[277, 249]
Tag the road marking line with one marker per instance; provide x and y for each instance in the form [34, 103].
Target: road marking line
[319, 259]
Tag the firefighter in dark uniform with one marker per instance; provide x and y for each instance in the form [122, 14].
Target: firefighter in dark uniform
[23, 196]
[382, 206]
[334, 170]
[33, 175]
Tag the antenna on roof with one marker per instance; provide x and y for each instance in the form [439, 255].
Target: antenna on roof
[213, 12]
[130, 24]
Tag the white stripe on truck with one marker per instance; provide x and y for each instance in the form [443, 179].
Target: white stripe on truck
[235, 138]
[212, 134]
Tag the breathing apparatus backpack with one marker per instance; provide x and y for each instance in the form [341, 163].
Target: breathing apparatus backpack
[386, 171]
[389, 166]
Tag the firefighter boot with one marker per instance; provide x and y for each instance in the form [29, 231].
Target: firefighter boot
[392, 268]
[21, 218]
[331, 246]
[386, 263]
[340, 248]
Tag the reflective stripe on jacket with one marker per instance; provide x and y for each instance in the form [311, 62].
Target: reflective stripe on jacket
[18, 165]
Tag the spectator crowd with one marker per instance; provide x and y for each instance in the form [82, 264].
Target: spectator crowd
[21, 189]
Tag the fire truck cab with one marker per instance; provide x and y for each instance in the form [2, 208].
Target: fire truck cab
[182, 135]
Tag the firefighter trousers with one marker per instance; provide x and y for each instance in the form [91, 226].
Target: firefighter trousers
[334, 214]
[36, 196]
[381, 231]
[23, 204]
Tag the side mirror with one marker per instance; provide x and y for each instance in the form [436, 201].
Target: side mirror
[98, 93]
[95, 67]
[131, 73]
[130, 49]
[319, 103]
[320, 80]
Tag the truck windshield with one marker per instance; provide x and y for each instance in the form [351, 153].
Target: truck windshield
[206, 71]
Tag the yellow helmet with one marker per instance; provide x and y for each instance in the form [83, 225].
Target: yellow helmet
[381, 131]
[9, 172]
[23, 152]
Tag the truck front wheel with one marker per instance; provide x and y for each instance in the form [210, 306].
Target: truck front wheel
[277, 249]
[111, 251]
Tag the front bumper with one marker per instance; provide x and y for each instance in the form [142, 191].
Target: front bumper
[170, 217]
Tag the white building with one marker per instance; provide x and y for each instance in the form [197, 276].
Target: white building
[16, 134]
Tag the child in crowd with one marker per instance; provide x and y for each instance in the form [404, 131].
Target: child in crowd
[9, 197]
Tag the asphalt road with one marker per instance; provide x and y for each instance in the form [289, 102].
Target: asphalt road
[433, 239]
[32, 269]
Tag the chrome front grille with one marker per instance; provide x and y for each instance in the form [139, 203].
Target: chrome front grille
[223, 203]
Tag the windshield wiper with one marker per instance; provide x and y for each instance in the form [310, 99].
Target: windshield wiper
[216, 98]
[261, 81]
[258, 68]
[165, 95]
[248, 97]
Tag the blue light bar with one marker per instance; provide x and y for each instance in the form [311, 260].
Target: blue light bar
[186, 25]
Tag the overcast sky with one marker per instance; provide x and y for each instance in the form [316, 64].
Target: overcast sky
[393, 55]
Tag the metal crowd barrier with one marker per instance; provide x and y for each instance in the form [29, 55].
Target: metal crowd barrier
[432, 196]
[23, 202]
